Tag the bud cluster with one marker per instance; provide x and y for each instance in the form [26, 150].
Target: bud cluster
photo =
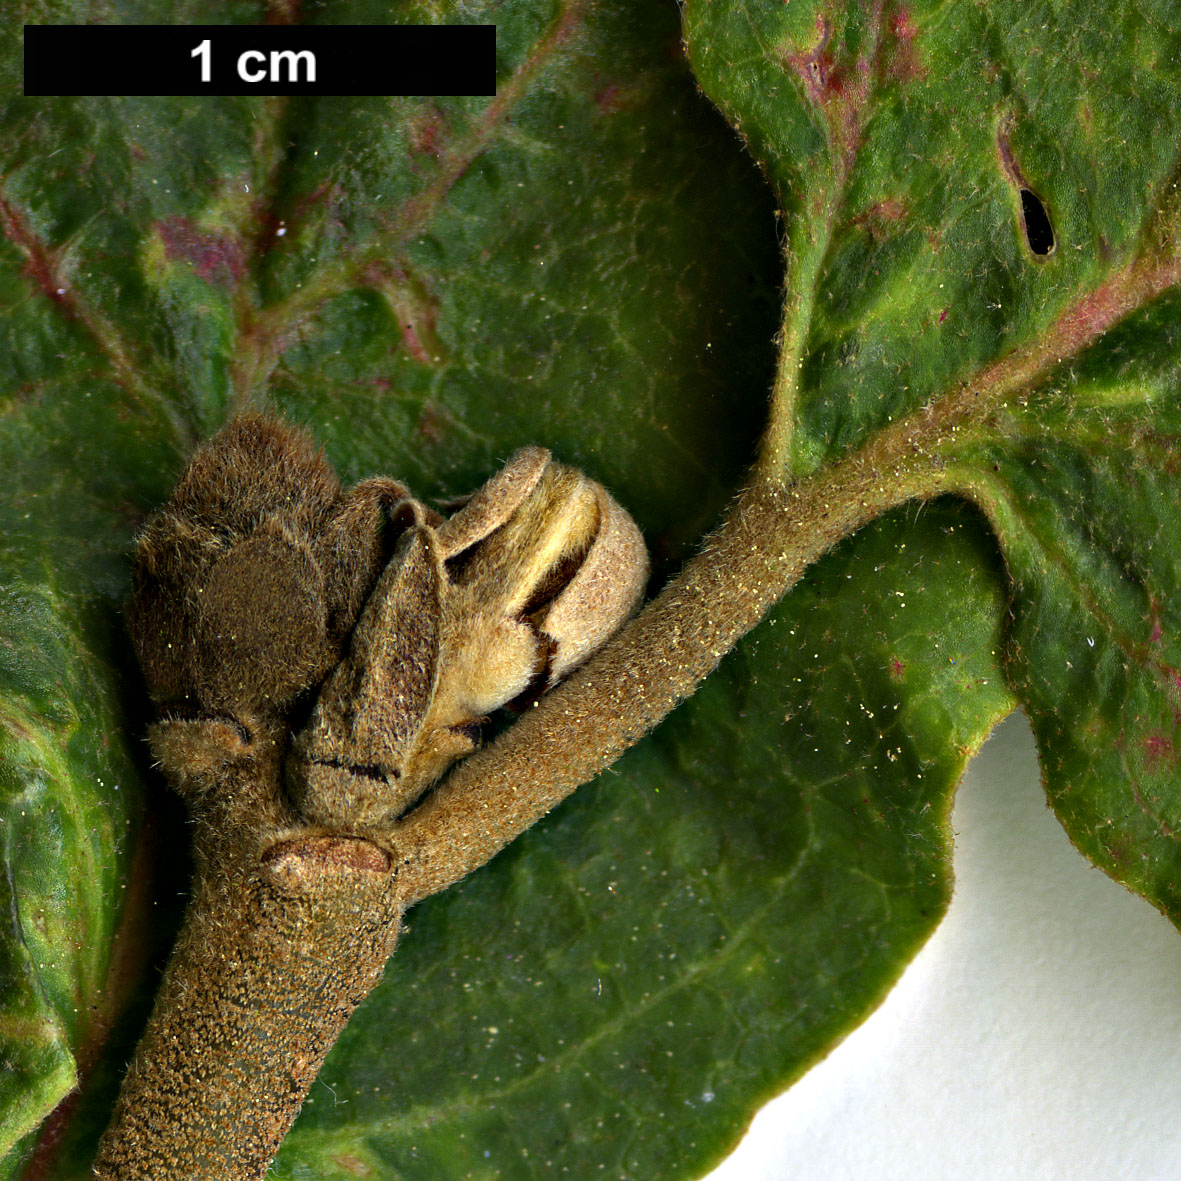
[264, 593]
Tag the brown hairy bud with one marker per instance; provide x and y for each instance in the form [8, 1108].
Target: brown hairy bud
[533, 574]
[245, 586]
[559, 559]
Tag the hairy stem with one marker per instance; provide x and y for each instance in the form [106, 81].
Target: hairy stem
[278, 948]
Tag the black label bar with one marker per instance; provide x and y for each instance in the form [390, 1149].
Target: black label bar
[260, 59]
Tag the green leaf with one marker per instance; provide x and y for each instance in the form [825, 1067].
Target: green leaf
[65, 831]
[912, 144]
[1083, 493]
[899, 139]
[590, 262]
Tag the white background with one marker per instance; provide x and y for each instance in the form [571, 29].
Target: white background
[1037, 1036]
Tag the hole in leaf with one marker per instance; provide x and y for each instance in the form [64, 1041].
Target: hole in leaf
[1038, 231]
